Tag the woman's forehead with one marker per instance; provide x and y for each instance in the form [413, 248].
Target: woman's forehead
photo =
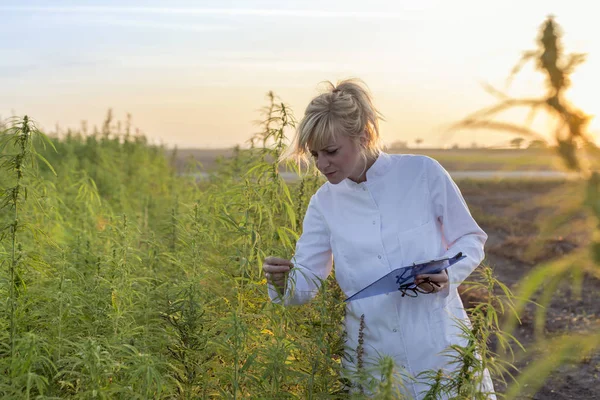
[323, 139]
[323, 143]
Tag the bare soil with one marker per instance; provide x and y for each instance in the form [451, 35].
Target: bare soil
[509, 212]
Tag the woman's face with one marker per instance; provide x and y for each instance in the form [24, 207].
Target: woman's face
[339, 159]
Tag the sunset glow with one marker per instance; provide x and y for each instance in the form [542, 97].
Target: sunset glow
[194, 74]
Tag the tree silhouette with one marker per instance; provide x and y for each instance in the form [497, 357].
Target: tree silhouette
[537, 144]
[517, 142]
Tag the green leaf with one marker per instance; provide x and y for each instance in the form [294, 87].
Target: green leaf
[41, 157]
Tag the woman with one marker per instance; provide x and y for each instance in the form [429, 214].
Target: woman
[378, 212]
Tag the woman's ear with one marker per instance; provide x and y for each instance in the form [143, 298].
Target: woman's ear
[363, 139]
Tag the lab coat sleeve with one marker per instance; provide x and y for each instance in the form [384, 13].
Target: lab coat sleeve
[460, 231]
[312, 260]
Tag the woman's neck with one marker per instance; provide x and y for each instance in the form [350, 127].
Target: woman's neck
[363, 175]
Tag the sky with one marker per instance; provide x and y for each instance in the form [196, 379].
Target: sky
[194, 74]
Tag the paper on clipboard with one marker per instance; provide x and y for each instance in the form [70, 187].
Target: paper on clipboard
[403, 276]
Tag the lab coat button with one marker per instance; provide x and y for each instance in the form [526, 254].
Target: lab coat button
[395, 330]
[379, 256]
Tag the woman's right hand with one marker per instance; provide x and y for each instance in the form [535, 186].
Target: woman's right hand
[276, 271]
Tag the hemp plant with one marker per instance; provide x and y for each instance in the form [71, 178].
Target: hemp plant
[579, 154]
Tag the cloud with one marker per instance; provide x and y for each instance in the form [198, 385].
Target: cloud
[157, 25]
[377, 15]
[239, 64]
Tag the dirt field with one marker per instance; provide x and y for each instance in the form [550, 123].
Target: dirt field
[508, 213]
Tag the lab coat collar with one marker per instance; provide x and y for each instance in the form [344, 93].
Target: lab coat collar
[379, 168]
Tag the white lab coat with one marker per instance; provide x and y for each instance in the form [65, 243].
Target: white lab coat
[409, 209]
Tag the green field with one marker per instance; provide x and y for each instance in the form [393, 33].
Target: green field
[123, 278]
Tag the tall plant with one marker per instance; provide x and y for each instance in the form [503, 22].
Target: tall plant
[579, 153]
[19, 157]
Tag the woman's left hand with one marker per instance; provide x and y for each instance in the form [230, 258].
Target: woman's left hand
[440, 281]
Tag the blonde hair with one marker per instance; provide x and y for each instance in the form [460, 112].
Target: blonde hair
[346, 108]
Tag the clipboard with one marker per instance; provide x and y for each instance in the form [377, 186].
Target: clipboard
[404, 277]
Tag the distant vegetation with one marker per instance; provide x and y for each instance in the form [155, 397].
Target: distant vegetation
[456, 159]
